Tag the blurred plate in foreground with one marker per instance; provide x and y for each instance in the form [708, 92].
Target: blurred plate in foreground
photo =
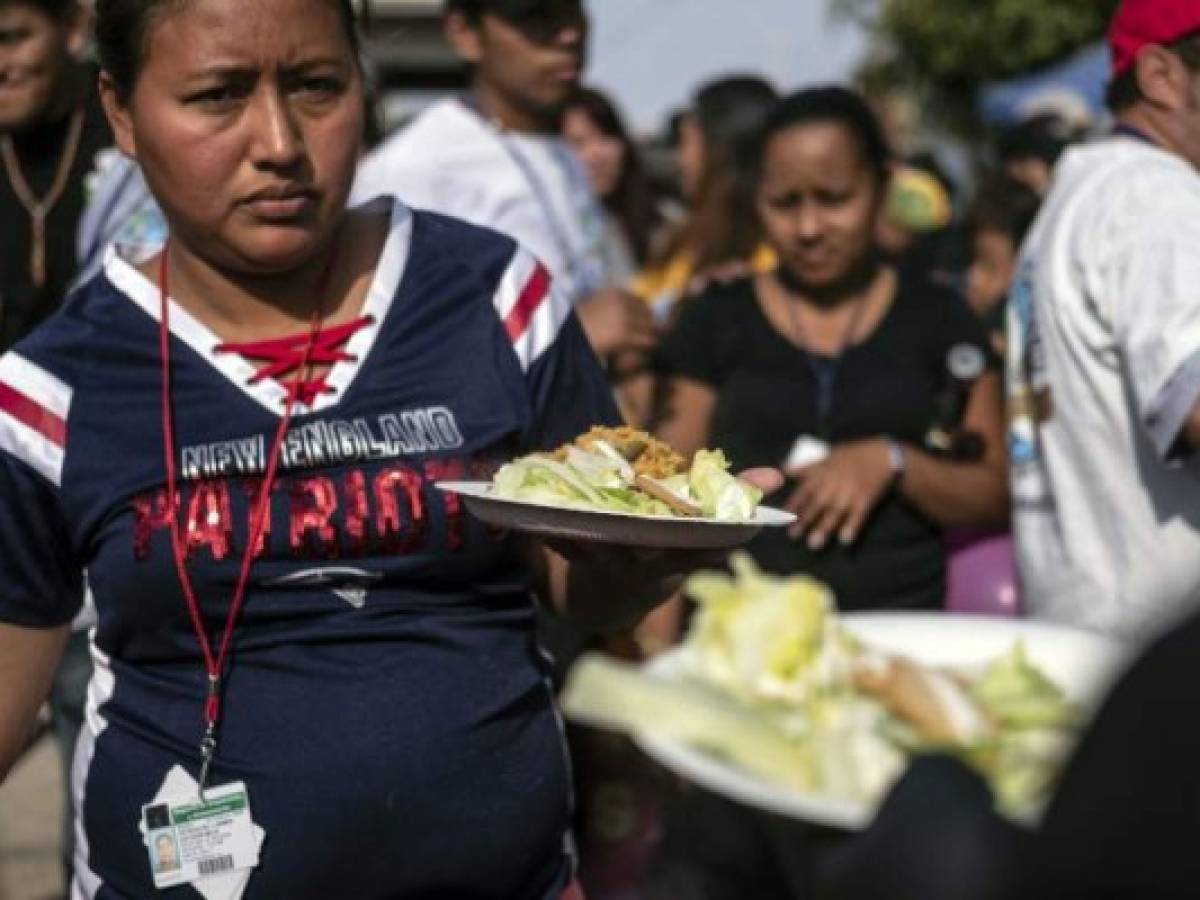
[1084, 665]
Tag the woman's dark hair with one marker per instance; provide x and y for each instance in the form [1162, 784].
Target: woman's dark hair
[722, 223]
[1043, 138]
[632, 201]
[122, 27]
[1005, 205]
[1123, 91]
[52, 8]
[829, 105]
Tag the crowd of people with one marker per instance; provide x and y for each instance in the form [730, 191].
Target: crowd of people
[210, 275]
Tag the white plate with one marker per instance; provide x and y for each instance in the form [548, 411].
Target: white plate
[662, 532]
[1082, 664]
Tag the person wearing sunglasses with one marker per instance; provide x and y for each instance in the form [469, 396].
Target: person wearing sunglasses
[496, 156]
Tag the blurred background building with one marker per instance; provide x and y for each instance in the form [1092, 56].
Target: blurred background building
[946, 74]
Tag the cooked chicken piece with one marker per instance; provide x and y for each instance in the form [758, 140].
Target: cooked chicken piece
[629, 442]
[659, 460]
[648, 454]
[669, 497]
[933, 701]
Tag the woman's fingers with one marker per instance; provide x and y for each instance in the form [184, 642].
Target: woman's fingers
[799, 502]
[825, 508]
[853, 523]
[829, 522]
[766, 479]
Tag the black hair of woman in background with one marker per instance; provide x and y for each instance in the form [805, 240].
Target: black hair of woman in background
[593, 126]
[721, 233]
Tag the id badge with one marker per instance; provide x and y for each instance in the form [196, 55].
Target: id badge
[805, 452]
[189, 838]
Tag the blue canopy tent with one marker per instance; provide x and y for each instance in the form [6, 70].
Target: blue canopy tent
[1074, 87]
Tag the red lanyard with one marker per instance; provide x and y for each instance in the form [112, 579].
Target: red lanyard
[215, 665]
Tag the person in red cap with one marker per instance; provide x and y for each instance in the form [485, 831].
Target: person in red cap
[1104, 379]
[1104, 359]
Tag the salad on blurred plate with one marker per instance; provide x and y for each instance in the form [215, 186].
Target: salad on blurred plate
[771, 687]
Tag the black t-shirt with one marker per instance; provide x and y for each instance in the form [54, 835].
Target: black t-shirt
[893, 383]
[39, 150]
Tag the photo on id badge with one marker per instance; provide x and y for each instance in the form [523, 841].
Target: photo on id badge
[163, 845]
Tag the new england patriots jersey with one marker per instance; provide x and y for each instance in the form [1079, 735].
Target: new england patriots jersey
[387, 705]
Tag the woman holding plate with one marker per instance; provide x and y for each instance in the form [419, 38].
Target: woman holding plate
[315, 675]
[876, 392]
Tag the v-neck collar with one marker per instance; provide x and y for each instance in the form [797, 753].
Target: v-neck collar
[879, 328]
[238, 371]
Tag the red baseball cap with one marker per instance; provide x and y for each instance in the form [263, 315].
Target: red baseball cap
[1139, 23]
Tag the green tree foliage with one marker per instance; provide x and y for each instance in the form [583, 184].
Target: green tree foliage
[943, 50]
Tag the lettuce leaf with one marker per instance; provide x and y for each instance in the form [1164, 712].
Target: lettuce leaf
[1018, 695]
[600, 480]
[717, 492]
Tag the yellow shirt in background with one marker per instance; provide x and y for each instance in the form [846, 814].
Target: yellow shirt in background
[662, 286]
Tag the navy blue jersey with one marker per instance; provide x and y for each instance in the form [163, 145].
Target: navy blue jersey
[387, 705]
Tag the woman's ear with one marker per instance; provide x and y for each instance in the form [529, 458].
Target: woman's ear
[117, 112]
[464, 37]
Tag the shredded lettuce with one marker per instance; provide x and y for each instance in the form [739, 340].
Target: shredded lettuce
[1017, 695]
[765, 679]
[600, 479]
[610, 694]
[718, 493]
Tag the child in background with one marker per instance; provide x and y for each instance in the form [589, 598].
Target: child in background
[1003, 210]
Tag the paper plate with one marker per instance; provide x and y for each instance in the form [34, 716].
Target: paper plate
[659, 532]
[1084, 665]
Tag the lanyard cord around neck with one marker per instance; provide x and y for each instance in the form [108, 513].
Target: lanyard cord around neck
[824, 368]
[558, 231]
[215, 664]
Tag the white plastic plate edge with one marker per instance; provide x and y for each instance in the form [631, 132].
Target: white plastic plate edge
[766, 516]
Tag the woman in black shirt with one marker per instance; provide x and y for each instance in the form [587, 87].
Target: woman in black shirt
[852, 377]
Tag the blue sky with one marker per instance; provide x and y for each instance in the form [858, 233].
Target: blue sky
[650, 54]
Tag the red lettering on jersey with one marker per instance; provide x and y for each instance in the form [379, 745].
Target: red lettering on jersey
[314, 501]
[449, 470]
[150, 515]
[209, 520]
[253, 489]
[356, 514]
[388, 513]
[389, 522]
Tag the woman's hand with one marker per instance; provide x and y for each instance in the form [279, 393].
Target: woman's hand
[607, 587]
[836, 496]
[616, 321]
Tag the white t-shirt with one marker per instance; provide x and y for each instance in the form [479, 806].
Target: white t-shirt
[1103, 369]
[531, 187]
